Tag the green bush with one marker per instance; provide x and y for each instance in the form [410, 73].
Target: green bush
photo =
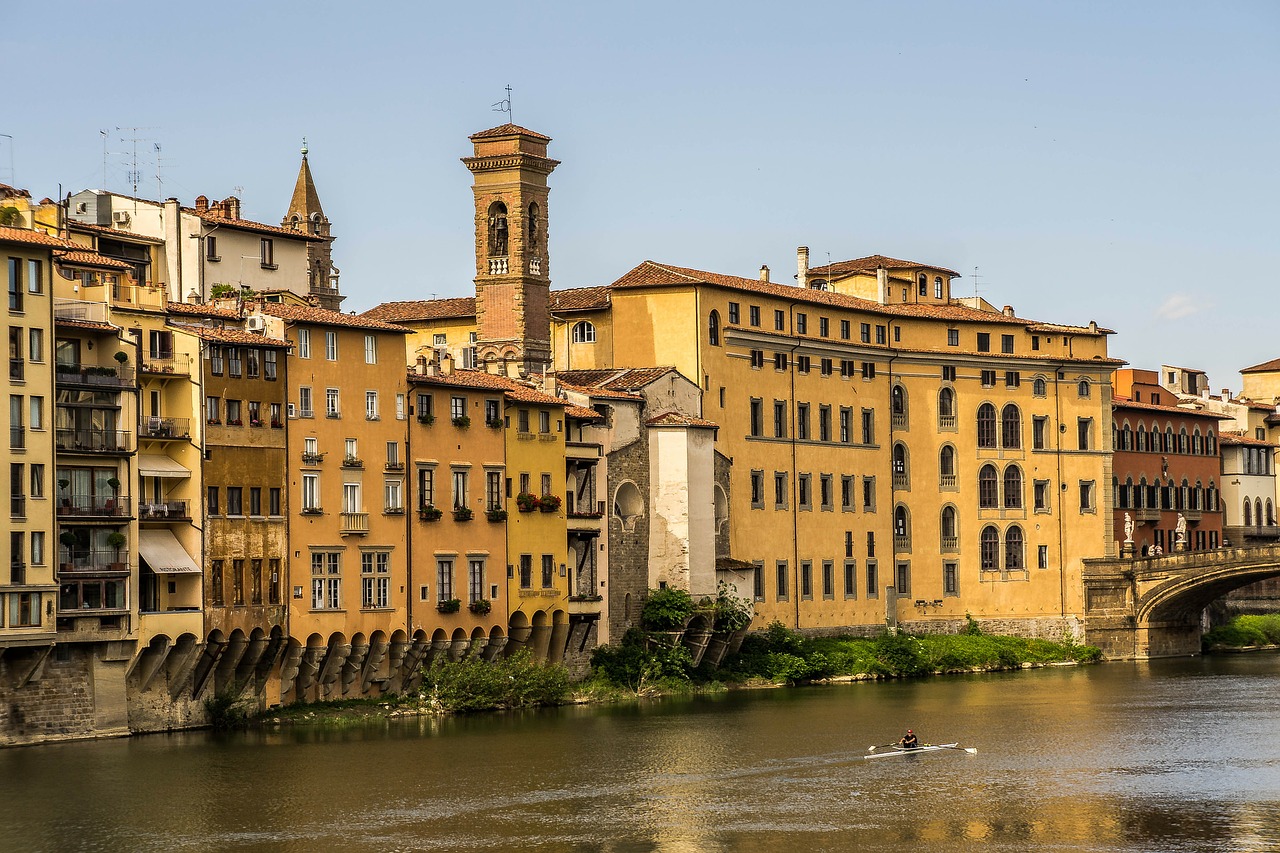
[474, 684]
[633, 666]
[1246, 631]
[666, 609]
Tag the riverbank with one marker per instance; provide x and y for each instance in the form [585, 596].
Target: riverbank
[641, 668]
[1244, 633]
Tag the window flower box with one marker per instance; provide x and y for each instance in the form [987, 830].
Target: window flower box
[352, 462]
[235, 422]
[463, 421]
[526, 502]
[425, 418]
[430, 513]
[496, 515]
[480, 606]
[494, 423]
[449, 605]
[548, 503]
[462, 513]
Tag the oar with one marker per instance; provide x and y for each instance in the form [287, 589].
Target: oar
[969, 749]
[881, 746]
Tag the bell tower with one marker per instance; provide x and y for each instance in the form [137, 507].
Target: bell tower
[306, 215]
[513, 274]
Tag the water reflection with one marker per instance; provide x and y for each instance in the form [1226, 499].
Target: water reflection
[1173, 756]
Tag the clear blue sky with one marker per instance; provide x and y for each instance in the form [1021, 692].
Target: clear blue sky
[1104, 161]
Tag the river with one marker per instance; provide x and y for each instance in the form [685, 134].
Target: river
[1179, 755]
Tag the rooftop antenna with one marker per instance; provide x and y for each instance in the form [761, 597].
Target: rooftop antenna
[160, 161]
[135, 174]
[504, 106]
[105, 135]
[13, 175]
[975, 282]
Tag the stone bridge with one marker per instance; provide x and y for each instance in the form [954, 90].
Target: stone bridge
[1150, 607]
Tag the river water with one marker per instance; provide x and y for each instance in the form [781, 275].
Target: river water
[1164, 756]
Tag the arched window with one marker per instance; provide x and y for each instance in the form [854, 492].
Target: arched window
[1126, 437]
[713, 329]
[1211, 498]
[1013, 487]
[1011, 427]
[1248, 513]
[1257, 511]
[924, 284]
[948, 526]
[1271, 513]
[294, 221]
[947, 466]
[898, 400]
[1197, 496]
[987, 425]
[584, 332]
[497, 230]
[937, 287]
[1141, 443]
[1038, 387]
[1169, 444]
[901, 527]
[1197, 442]
[1082, 389]
[1013, 561]
[946, 409]
[1184, 443]
[315, 223]
[1211, 444]
[533, 227]
[989, 552]
[1184, 495]
[988, 488]
[900, 461]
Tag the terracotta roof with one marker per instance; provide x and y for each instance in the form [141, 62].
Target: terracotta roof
[7, 191]
[104, 231]
[1126, 403]
[1265, 367]
[582, 413]
[599, 393]
[85, 258]
[652, 274]
[1234, 437]
[870, 264]
[85, 324]
[491, 382]
[258, 227]
[507, 130]
[581, 299]
[424, 309]
[613, 378]
[195, 310]
[325, 317]
[32, 238]
[233, 336]
[1254, 405]
[1065, 329]
[675, 419]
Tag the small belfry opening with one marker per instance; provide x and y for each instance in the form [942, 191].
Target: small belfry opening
[498, 236]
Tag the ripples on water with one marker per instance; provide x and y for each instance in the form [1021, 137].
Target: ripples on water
[1177, 756]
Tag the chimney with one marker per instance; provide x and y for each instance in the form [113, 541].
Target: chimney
[1008, 311]
[1093, 326]
[764, 273]
[231, 207]
[202, 204]
[1226, 395]
[882, 285]
[802, 266]
[420, 365]
[446, 364]
[173, 245]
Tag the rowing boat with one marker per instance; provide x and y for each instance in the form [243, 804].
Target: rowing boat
[916, 750]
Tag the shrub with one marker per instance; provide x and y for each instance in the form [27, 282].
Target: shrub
[226, 712]
[666, 609]
[632, 665]
[731, 612]
[473, 684]
[900, 654]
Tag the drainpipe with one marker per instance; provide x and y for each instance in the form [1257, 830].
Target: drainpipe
[893, 493]
[795, 473]
[1062, 491]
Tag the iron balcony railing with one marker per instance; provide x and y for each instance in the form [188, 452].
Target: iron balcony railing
[164, 511]
[93, 506]
[165, 428]
[94, 376]
[93, 440]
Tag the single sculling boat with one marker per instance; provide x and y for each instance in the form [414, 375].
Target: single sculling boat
[896, 750]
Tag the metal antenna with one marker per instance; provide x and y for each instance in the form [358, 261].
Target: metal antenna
[13, 174]
[504, 106]
[135, 174]
[975, 282]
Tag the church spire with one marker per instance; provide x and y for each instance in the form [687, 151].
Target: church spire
[305, 214]
[305, 201]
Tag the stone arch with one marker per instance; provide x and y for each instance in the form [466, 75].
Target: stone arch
[497, 235]
[902, 527]
[628, 504]
[720, 500]
[1183, 597]
[459, 643]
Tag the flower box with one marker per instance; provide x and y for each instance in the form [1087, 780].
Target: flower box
[462, 513]
[480, 606]
[462, 421]
[496, 515]
[449, 605]
[526, 502]
[549, 503]
[430, 513]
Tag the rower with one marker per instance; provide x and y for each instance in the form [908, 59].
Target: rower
[909, 740]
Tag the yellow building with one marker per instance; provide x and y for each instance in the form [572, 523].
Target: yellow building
[27, 589]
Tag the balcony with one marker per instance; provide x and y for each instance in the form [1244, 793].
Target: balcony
[93, 560]
[902, 544]
[583, 451]
[92, 440]
[166, 364]
[901, 481]
[947, 422]
[1192, 516]
[1239, 535]
[79, 309]
[164, 511]
[356, 523]
[165, 429]
[1151, 514]
[312, 458]
[947, 482]
[950, 544]
[93, 376]
[139, 296]
[352, 462]
[93, 506]
[394, 466]
[898, 420]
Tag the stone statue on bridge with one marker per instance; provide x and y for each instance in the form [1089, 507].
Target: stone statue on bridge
[1128, 529]
[1181, 530]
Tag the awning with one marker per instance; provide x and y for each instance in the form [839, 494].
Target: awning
[156, 465]
[164, 555]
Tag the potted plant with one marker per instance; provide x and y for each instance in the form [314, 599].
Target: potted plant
[494, 423]
[113, 482]
[496, 515]
[462, 513]
[121, 357]
[449, 605]
[116, 540]
[63, 483]
[526, 502]
[462, 421]
[430, 513]
[549, 503]
[426, 418]
[68, 539]
[480, 606]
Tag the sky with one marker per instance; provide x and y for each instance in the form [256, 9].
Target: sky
[1090, 160]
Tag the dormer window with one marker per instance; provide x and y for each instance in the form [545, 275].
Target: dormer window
[584, 333]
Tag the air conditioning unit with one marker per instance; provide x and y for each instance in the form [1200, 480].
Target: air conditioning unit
[255, 323]
[120, 217]
[293, 411]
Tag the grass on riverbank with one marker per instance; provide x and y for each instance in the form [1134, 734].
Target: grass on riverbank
[1244, 631]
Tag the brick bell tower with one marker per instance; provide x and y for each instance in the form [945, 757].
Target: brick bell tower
[513, 273]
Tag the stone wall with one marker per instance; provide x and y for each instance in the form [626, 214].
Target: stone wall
[628, 549]
[72, 694]
[1054, 628]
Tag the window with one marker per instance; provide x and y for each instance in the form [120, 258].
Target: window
[1013, 487]
[846, 425]
[713, 328]
[826, 367]
[1011, 427]
[782, 580]
[868, 494]
[988, 488]
[331, 402]
[948, 373]
[235, 364]
[1012, 379]
[734, 315]
[754, 313]
[937, 287]
[780, 490]
[444, 579]
[234, 414]
[803, 363]
[806, 579]
[757, 359]
[757, 489]
[850, 578]
[953, 337]
[584, 333]
[988, 379]
[371, 405]
[544, 423]
[35, 345]
[847, 367]
[845, 330]
[824, 423]
[756, 418]
[215, 582]
[864, 332]
[15, 284]
[825, 496]
[1084, 433]
[392, 497]
[213, 410]
[902, 578]
[950, 579]
[873, 583]
[804, 497]
[475, 580]
[1038, 387]
[1013, 550]
[780, 320]
[326, 580]
[984, 342]
[211, 501]
[779, 419]
[986, 426]
[868, 426]
[526, 571]
[824, 327]
[879, 334]
[1039, 429]
[868, 370]
[548, 571]
[237, 583]
[1040, 495]
[757, 581]
[924, 285]
[268, 252]
[459, 489]
[947, 467]
[35, 277]
[1086, 496]
[304, 343]
[273, 500]
[989, 549]
[370, 349]
[1006, 344]
[375, 579]
[802, 421]
[1042, 556]
[310, 492]
[779, 361]
[255, 500]
[1082, 388]
[493, 490]
[331, 345]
